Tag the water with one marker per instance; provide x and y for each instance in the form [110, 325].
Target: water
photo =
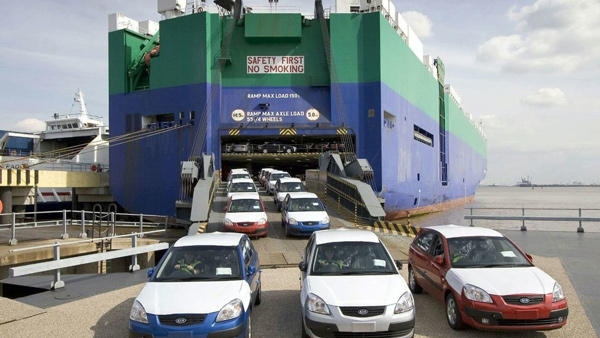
[524, 197]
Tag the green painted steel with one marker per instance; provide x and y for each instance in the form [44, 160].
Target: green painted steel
[273, 28]
[123, 46]
[460, 125]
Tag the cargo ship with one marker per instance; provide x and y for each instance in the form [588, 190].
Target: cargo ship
[210, 75]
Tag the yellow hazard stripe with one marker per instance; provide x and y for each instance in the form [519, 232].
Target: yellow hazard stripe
[234, 131]
[287, 131]
[396, 228]
[342, 131]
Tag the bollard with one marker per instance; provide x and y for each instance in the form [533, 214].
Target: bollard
[13, 230]
[83, 234]
[64, 235]
[134, 263]
[57, 283]
[523, 227]
[580, 229]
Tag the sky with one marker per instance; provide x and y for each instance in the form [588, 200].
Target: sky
[528, 70]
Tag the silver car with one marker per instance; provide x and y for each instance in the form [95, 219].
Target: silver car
[351, 288]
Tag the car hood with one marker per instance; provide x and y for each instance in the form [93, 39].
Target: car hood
[245, 216]
[161, 298]
[281, 195]
[254, 193]
[503, 281]
[351, 290]
[308, 216]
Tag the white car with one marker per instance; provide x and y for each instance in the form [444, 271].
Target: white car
[264, 173]
[303, 213]
[351, 288]
[205, 284]
[273, 177]
[245, 213]
[284, 186]
[241, 186]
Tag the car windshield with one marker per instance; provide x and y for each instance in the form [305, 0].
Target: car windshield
[291, 187]
[245, 205]
[242, 187]
[482, 252]
[305, 204]
[234, 176]
[352, 258]
[200, 263]
[274, 177]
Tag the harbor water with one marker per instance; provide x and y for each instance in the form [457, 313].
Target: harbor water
[536, 201]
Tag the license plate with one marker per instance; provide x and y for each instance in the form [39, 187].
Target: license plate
[527, 314]
[363, 327]
[181, 334]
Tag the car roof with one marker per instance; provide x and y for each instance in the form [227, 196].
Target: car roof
[279, 172]
[289, 179]
[453, 231]
[242, 180]
[303, 195]
[239, 171]
[244, 196]
[344, 235]
[213, 238]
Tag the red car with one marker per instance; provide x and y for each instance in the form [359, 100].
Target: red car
[246, 213]
[484, 280]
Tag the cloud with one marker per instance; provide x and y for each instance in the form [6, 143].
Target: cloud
[546, 97]
[554, 35]
[29, 125]
[419, 22]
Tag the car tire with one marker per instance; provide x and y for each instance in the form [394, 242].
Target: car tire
[412, 281]
[287, 232]
[248, 333]
[304, 335]
[453, 313]
[258, 299]
[278, 207]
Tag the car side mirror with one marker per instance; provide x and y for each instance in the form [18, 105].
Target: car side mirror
[302, 266]
[398, 264]
[251, 270]
[150, 272]
[529, 257]
[439, 259]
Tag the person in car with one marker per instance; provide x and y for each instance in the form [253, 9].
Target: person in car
[189, 264]
[330, 261]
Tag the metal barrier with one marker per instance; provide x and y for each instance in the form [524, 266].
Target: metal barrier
[111, 219]
[524, 218]
[57, 263]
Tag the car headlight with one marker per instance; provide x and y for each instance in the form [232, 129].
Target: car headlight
[476, 294]
[262, 221]
[228, 222]
[315, 304]
[557, 293]
[292, 221]
[405, 303]
[231, 310]
[138, 314]
[325, 220]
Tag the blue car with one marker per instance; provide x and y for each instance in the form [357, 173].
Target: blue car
[303, 213]
[205, 286]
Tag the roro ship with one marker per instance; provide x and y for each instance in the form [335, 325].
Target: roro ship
[350, 80]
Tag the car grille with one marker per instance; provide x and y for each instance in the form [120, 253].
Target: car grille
[245, 224]
[190, 319]
[310, 223]
[383, 334]
[372, 311]
[527, 322]
[516, 300]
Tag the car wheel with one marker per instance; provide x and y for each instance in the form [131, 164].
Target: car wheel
[288, 150]
[249, 327]
[412, 281]
[258, 299]
[278, 207]
[282, 222]
[287, 231]
[453, 313]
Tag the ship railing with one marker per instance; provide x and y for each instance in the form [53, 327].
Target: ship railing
[77, 223]
[62, 166]
[58, 263]
[558, 216]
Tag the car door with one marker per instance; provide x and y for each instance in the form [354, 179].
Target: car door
[284, 209]
[435, 267]
[250, 260]
[306, 259]
[420, 257]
